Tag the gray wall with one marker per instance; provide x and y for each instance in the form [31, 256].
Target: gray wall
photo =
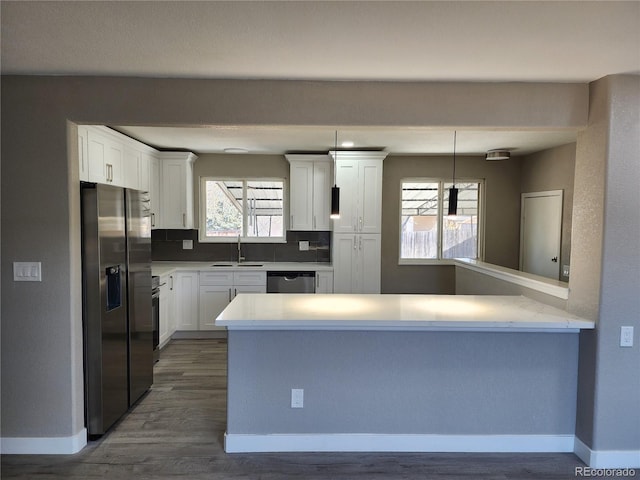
[452, 383]
[502, 218]
[42, 394]
[469, 282]
[553, 169]
[605, 280]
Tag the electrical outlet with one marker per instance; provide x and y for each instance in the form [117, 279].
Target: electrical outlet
[626, 336]
[303, 245]
[297, 398]
[187, 244]
[565, 270]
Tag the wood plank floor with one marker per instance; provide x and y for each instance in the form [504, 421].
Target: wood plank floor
[176, 432]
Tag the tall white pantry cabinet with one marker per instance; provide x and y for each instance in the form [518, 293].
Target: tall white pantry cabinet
[356, 245]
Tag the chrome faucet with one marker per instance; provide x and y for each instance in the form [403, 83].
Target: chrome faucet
[240, 257]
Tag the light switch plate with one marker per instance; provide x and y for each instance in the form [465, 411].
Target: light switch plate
[187, 244]
[626, 336]
[303, 245]
[297, 398]
[27, 271]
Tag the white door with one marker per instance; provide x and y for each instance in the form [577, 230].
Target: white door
[213, 299]
[369, 254]
[370, 193]
[187, 300]
[347, 180]
[321, 195]
[344, 258]
[540, 232]
[301, 195]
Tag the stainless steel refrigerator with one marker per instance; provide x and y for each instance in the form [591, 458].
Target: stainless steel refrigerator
[117, 319]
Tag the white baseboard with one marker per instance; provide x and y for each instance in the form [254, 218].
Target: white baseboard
[245, 443]
[607, 458]
[44, 445]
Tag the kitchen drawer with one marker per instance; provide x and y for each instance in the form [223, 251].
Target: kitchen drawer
[251, 277]
[216, 278]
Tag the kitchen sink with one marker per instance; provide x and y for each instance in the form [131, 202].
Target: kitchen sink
[222, 265]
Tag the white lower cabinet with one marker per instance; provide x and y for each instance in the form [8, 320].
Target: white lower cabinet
[186, 287]
[213, 299]
[324, 282]
[167, 309]
[217, 289]
[356, 263]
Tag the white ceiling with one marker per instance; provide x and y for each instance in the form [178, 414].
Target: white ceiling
[548, 41]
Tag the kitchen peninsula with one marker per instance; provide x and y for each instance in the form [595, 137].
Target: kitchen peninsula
[400, 373]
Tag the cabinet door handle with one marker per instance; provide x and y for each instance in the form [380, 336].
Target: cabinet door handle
[360, 222]
[355, 245]
[317, 280]
[229, 293]
[171, 282]
[235, 292]
[153, 219]
[314, 222]
[184, 220]
[291, 224]
[360, 243]
[110, 172]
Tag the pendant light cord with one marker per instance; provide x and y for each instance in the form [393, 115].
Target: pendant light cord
[335, 161]
[454, 158]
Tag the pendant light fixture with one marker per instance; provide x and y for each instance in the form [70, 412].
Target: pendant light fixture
[335, 190]
[453, 191]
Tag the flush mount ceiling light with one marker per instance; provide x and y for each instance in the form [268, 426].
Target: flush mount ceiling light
[236, 150]
[498, 155]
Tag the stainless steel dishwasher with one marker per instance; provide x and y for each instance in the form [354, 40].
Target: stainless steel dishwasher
[291, 282]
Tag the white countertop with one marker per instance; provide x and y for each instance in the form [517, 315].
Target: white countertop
[396, 312]
[164, 268]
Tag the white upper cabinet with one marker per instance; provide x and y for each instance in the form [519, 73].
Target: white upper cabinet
[176, 191]
[309, 192]
[131, 167]
[359, 176]
[154, 192]
[108, 157]
[82, 153]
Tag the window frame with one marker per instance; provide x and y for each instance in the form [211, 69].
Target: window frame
[441, 181]
[202, 214]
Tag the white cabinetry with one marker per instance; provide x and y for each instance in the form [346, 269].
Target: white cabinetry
[359, 176]
[154, 192]
[356, 263]
[217, 289]
[82, 153]
[324, 282]
[186, 301]
[131, 167]
[106, 157]
[167, 309]
[309, 192]
[176, 190]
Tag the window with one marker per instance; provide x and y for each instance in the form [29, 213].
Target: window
[427, 232]
[251, 209]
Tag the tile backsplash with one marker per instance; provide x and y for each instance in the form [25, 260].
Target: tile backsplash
[166, 245]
